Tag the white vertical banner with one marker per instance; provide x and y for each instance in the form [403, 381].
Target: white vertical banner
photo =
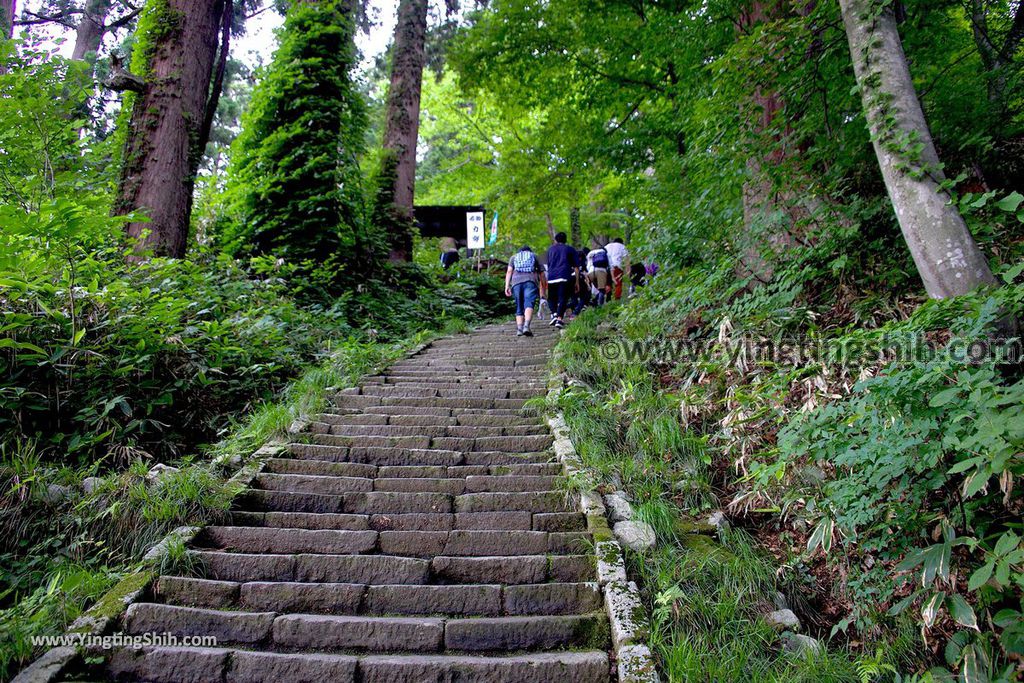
[475, 229]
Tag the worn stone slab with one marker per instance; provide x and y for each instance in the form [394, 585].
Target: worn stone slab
[311, 631]
[476, 600]
[226, 627]
[288, 596]
[169, 664]
[274, 667]
[191, 592]
[553, 598]
[563, 667]
[505, 570]
[369, 569]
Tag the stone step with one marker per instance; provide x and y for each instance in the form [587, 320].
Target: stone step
[465, 420]
[435, 382]
[286, 541]
[435, 431]
[426, 410]
[463, 542]
[477, 543]
[329, 633]
[342, 401]
[351, 469]
[564, 667]
[408, 457]
[503, 444]
[360, 503]
[498, 521]
[384, 502]
[339, 485]
[349, 599]
[180, 664]
[390, 569]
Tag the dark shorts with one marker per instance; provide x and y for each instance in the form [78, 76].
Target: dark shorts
[525, 296]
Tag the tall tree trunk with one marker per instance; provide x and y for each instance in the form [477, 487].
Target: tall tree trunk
[90, 32]
[162, 148]
[574, 226]
[7, 9]
[403, 117]
[761, 199]
[944, 251]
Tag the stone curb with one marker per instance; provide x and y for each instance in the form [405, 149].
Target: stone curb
[110, 607]
[626, 614]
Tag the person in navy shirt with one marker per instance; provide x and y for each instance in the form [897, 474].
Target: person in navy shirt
[562, 270]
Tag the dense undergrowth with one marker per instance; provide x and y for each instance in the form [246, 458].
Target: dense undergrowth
[868, 469]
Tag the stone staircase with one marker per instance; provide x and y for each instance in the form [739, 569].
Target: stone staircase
[417, 533]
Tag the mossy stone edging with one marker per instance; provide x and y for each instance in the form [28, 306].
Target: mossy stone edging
[112, 605]
[626, 614]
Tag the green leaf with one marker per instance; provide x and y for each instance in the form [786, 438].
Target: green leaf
[944, 397]
[930, 609]
[981, 576]
[1011, 202]
[1010, 275]
[974, 667]
[1006, 543]
[962, 612]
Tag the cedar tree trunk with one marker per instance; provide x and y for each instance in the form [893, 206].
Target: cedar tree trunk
[163, 147]
[403, 117]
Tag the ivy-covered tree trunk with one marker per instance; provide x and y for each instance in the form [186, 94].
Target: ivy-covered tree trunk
[91, 28]
[174, 55]
[403, 120]
[7, 10]
[574, 226]
[947, 257]
[294, 179]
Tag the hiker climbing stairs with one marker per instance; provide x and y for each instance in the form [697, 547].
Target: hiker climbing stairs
[417, 531]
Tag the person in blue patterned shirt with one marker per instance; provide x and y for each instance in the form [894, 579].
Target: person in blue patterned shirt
[524, 281]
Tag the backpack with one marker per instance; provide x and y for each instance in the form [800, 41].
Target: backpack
[524, 262]
[600, 259]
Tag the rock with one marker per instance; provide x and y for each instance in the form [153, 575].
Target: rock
[591, 504]
[799, 644]
[90, 484]
[636, 665]
[718, 520]
[625, 613]
[55, 493]
[159, 471]
[780, 601]
[811, 475]
[637, 536]
[228, 461]
[783, 619]
[610, 565]
[619, 509]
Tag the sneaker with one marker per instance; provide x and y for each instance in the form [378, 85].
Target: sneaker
[527, 332]
[553, 320]
[519, 332]
[559, 324]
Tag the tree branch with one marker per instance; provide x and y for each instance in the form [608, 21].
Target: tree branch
[123, 21]
[63, 19]
[218, 80]
[121, 79]
[1014, 37]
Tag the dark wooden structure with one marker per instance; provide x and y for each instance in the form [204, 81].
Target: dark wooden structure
[446, 221]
